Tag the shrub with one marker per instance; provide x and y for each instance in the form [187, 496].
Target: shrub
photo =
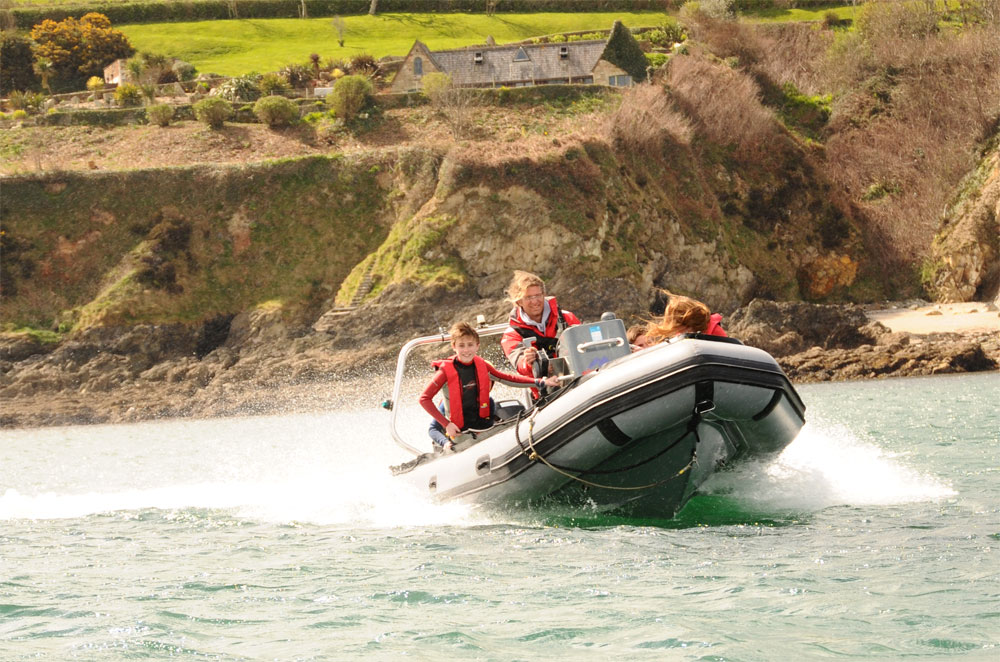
[656, 60]
[297, 75]
[656, 38]
[16, 59]
[160, 114]
[79, 48]
[721, 9]
[241, 88]
[185, 71]
[26, 100]
[674, 30]
[276, 111]
[436, 85]
[274, 85]
[18, 100]
[349, 95]
[723, 104]
[148, 91]
[19, 114]
[317, 117]
[213, 111]
[363, 64]
[4, 116]
[128, 94]
[832, 20]
[95, 84]
[647, 123]
[335, 63]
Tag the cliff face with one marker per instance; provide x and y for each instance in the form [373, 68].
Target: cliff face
[965, 255]
[584, 212]
[188, 245]
[194, 291]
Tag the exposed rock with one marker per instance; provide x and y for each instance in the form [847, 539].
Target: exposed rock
[17, 347]
[942, 354]
[966, 252]
[783, 328]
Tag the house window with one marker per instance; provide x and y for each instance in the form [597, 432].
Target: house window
[619, 81]
[418, 66]
[521, 56]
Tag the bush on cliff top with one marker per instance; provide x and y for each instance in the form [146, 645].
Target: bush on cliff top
[213, 111]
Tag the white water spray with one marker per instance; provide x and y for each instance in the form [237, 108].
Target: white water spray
[829, 466]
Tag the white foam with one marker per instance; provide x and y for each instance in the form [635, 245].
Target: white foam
[322, 469]
[829, 466]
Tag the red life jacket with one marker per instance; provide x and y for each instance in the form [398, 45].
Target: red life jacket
[554, 325]
[715, 327]
[447, 366]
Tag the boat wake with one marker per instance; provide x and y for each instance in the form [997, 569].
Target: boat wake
[824, 467]
[290, 470]
[367, 499]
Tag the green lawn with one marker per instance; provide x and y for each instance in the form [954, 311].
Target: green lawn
[237, 47]
[797, 15]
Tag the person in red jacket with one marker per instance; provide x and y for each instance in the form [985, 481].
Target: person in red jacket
[535, 317]
[466, 380]
[685, 315]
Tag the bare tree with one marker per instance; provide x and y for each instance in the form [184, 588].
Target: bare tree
[7, 20]
[234, 11]
[339, 27]
[451, 101]
[373, 8]
[303, 12]
[491, 7]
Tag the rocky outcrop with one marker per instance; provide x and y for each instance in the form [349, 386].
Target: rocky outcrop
[784, 328]
[827, 343]
[965, 255]
[259, 362]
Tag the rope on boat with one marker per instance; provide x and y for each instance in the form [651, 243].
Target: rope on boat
[535, 456]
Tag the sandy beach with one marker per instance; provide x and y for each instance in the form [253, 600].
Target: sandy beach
[961, 318]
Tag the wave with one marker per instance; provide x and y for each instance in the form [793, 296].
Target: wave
[324, 470]
[828, 466]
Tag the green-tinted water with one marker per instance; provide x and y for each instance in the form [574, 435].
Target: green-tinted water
[874, 536]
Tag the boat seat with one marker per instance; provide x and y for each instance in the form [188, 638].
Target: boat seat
[508, 409]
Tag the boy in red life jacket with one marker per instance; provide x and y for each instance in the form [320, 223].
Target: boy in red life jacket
[466, 380]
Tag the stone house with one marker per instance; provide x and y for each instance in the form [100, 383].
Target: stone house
[520, 65]
[116, 72]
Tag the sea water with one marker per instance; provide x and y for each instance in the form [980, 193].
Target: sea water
[874, 536]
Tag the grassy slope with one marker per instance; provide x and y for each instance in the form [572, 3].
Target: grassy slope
[277, 231]
[237, 47]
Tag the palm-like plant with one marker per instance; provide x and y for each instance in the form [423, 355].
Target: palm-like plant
[44, 70]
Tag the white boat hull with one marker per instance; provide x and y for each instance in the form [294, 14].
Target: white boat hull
[636, 437]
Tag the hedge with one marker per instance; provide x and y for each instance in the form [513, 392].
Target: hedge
[162, 11]
[243, 113]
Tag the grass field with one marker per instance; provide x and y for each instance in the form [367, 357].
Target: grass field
[237, 47]
[799, 15]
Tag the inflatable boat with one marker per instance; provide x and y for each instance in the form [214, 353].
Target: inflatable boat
[633, 434]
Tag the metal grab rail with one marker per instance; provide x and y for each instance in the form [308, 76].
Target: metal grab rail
[583, 347]
[404, 352]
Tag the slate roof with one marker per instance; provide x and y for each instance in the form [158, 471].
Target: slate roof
[520, 62]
